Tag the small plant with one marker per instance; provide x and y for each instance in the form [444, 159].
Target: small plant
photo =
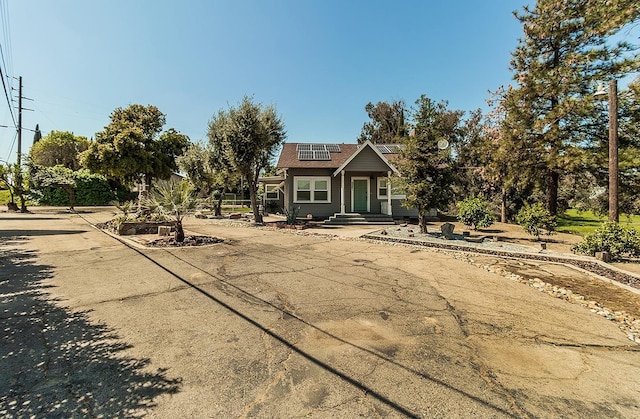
[613, 238]
[272, 207]
[474, 213]
[126, 207]
[175, 200]
[536, 218]
[291, 215]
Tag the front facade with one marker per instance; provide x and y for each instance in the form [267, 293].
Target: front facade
[329, 179]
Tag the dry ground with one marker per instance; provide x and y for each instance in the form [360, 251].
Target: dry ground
[279, 324]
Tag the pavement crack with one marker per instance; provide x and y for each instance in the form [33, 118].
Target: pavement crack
[484, 372]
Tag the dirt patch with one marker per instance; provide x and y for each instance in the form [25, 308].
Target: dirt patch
[592, 289]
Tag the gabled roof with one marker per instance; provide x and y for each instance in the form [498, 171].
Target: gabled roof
[364, 146]
[289, 157]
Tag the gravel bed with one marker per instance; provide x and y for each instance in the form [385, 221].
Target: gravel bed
[404, 235]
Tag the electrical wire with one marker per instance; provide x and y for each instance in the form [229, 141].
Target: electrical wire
[4, 10]
[4, 17]
[13, 117]
[13, 142]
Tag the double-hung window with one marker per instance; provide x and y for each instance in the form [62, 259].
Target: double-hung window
[271, 192]
[383, 189]
[312, 189]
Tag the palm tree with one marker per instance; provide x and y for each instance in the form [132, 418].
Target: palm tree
[174, 199]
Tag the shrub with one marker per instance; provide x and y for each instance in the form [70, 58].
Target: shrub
[89, 189]
[474, 212]
[613, 238]
[291, 215]
[535, 218]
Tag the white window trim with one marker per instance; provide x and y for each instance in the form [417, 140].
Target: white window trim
[311, 180]
[401, 196]
[275, 189]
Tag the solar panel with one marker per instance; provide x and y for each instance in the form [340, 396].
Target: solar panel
[388, 149]
[333, 148]
[316, 151]
[305, 155]
[314, 155]
[321, 155]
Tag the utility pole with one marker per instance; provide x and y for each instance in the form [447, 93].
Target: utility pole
[18, 179]
[20, 122]
[613, 151]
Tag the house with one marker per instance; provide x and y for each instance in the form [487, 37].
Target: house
[338, 181]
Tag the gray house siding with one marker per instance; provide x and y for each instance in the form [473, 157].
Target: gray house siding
[400, 211]
[367, 161]
[317, 210]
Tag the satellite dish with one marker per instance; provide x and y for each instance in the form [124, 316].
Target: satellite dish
[443, 144]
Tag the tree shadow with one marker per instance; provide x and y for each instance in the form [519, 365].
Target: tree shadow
[56, 362]
[15, 233]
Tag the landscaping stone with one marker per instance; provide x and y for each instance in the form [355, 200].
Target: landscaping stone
[447, 230]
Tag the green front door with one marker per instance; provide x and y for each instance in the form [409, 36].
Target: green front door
[360, 195]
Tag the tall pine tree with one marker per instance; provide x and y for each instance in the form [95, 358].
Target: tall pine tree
[566, 49]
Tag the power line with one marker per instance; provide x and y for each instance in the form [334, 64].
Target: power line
[6, 94]
[4, 12]
[13, 142]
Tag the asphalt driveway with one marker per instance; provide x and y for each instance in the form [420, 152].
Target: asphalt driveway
[274, 324]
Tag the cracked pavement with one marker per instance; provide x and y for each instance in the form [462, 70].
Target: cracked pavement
[275, 324]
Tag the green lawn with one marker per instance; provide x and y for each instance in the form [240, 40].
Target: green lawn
[585, 222]
[4, 197]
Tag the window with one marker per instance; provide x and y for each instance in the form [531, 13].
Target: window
[312, 189]
[271, 192]
[383, 188]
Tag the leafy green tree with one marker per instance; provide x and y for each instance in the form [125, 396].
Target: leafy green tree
[247, 137]
[196, 163]
[58, 148]
[134, 147]
[210, 172]
[7, 179]
[425, 169]
[386, 125]
[536, 218]
[12, 178]
[475, 213]
[174, 199]
[57, 176]
[567, 47]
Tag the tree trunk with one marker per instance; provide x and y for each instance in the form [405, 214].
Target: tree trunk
[552, 192]
[143, 193]
[218, 207]
[23, 202]
[179, 236]
[503, 205]
[253, 196]
[422, 220]
[71, 196]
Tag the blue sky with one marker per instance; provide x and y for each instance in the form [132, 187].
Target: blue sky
[318, 61]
